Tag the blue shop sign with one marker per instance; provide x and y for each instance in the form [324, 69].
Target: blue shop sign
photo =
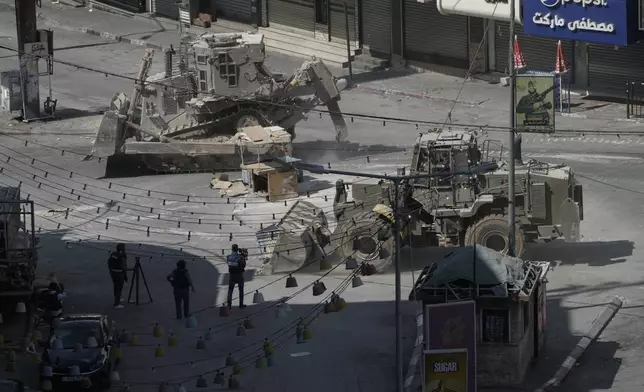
[597, 21]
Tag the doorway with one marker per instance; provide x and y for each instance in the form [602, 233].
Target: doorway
[322, 12]
[322, 9]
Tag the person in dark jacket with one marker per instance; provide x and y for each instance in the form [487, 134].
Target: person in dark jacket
[236, 265]
[182, 284]
[54, 300]
[117, 264]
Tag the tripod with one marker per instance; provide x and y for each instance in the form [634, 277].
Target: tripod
[137, 276]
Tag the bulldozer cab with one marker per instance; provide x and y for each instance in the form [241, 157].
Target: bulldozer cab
[220, 59]
[441, 153]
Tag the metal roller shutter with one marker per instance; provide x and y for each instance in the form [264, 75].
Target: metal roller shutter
[337, 25]
[610, 69]
[294, 13]
[376, 25]
[239, 10]
[434, 38]
[540, 53]
[167, 8]
[127, 5]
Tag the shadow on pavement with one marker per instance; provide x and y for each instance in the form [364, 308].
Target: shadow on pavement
[361, 355]
[71, 113]
[332, 151]
[84, 46]
[365, 77]
[599, 253]
[596, 368]
[591, 253]
[83, 269]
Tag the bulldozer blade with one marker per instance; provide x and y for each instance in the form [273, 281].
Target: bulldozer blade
[108, 136]
[341, 132]
[296, 241]
[570, 222]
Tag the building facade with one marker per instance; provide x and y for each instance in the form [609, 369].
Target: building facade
[599, 37]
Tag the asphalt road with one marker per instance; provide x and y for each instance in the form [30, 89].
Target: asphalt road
[607, 262]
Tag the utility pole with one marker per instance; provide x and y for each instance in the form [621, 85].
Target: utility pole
[26, 33]
[511, 190]
[400, 382]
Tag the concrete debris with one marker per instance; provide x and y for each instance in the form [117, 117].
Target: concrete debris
[56, 211]
[229, 188]
[237, 189]
[219, 184]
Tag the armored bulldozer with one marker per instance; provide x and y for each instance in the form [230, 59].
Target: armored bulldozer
[458, 210]
[176, 121]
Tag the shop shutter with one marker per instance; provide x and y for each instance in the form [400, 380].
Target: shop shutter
[292, 13]
[237, 10]
[166, 8]
[540, 54]
[431, 37]
[376, 26]
[610, 69]
[337, 25]
[127, 5]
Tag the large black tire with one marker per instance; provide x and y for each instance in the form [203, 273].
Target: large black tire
[492, 231]
[372, 237]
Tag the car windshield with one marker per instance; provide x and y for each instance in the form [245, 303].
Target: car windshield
[73, 333]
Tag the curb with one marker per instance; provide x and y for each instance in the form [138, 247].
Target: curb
[596, 329]
[376, 90]
[102, 34]
[415, 355]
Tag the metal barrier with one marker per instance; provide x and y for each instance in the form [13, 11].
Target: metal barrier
[634, 99]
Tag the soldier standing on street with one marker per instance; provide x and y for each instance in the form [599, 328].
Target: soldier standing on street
[117, 264]
[181, 284]
[236, 266]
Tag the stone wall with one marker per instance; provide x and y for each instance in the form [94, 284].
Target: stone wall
[505, 365]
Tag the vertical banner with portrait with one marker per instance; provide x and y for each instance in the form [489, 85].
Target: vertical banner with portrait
[445, 371]
[452, 326]
[534, 109]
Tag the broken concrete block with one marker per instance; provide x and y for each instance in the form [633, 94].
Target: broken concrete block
[237, 189]
[218, 184]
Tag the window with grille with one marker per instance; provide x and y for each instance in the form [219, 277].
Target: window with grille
[203, 81]
[228, 70]
[202, 60]
[641, 12]
[495, 325]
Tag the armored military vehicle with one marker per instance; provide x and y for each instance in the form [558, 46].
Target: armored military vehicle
[461, 209]
[441, 210]
[179, 118]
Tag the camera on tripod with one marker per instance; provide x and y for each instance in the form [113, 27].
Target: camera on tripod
[137, 259]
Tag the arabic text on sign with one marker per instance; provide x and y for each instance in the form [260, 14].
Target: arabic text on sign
[583, 3]
[583, 24]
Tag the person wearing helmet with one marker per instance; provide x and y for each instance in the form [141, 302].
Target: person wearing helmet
[117, 263]
[181, 284]
[236, 265]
